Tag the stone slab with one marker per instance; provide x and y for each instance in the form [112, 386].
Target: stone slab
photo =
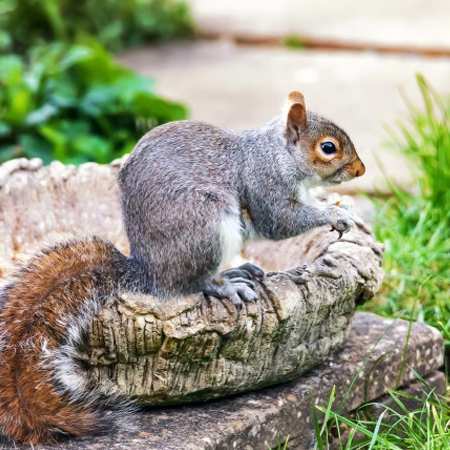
[241, 87]
[401, 22]
[372, 360]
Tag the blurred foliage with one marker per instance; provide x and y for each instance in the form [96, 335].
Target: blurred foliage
[62, 96]
[74, 103]
[294, 42]
[117, 24]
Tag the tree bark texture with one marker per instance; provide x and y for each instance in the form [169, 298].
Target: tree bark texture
[197, 347]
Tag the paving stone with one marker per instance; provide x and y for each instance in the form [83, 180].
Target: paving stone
[401, 22]
[371, 361]
[241, 87]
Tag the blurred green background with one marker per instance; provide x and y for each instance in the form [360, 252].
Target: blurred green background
[62, 94]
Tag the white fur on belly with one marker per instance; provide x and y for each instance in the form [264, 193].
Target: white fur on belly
[230, 239]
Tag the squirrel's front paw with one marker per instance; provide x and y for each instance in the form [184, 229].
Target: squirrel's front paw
[341, 218]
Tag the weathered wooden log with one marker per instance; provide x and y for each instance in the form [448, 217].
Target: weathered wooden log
[196, 347]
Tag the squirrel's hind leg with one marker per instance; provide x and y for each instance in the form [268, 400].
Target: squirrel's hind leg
[235, 283]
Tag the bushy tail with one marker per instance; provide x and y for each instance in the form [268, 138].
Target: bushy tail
[60, 288]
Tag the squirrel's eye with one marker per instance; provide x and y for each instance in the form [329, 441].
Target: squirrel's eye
[328, 148]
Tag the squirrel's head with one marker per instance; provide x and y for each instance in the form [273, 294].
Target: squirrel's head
[326, 148]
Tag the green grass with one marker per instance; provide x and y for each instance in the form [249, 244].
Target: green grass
[414, 222]
[282, 445]
[396, 428]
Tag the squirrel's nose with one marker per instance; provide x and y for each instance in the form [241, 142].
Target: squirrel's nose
[359, 168]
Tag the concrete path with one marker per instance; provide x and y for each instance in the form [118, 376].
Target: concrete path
[421, 23]
[242, 87]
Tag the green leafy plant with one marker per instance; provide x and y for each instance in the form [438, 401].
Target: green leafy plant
[115, 23]
[414, 223]
[75, 104]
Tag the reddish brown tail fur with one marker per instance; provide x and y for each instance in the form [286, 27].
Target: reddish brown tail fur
[39, 304]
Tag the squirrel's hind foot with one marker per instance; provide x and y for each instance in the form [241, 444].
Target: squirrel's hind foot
[248, 271]
[235, 284]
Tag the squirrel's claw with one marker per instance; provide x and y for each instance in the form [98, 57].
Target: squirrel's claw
[299, 275]
[341, 233]
[248, 270]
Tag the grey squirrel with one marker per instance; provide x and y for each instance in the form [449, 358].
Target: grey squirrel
[191, 193]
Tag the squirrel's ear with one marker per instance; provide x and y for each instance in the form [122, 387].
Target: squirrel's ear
[296, 119]
[296, 97]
